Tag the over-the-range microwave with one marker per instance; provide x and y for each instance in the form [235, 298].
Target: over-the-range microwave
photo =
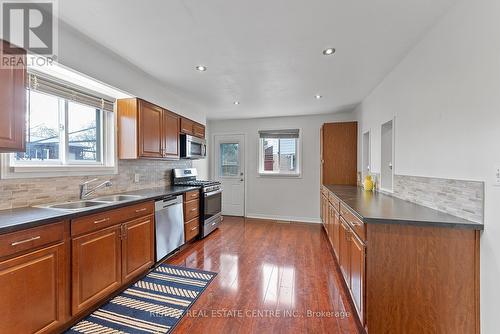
[193, 147]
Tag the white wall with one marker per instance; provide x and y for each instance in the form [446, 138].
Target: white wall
[275, 197]
[445, 96]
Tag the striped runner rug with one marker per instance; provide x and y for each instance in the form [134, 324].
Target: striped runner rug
[154, 304]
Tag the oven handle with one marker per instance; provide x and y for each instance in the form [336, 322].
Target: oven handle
[213, 193]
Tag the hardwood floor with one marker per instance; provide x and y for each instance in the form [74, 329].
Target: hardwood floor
[266, 267]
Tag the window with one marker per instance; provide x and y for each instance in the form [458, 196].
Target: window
[68, 129]
[229, 159]
[279, 152]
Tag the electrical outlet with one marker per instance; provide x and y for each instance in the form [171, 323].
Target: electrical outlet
[496, 181]
[137, 178]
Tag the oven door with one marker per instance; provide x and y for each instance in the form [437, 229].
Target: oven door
[212, 204]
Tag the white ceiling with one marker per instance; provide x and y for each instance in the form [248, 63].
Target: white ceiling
[267, 54]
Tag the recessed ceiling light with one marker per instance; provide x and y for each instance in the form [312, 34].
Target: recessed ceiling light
[329, 51]
[318, 97]
[201, 68]
[236, 102]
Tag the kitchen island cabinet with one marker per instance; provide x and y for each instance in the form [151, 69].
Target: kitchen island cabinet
[405, 266]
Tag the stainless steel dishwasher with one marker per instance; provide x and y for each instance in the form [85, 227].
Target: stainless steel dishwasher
[169, 225]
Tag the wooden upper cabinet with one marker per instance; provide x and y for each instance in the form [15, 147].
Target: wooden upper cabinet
[146, 130]
[198, 130]
[33, 291]
[12, 106]
[192, 128]
[137, 247]
[150, 130]
[171, 125]
[339, 142]
[187, 126]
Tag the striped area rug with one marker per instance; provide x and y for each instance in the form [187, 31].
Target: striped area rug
[154, 304]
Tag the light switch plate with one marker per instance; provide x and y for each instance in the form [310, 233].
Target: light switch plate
[137, 178]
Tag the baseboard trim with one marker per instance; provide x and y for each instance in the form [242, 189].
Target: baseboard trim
[285, 218]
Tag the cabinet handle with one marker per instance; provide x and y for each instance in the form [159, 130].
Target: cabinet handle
[101, 221]
[140, 210]
[194, 195]
[194, 228]
[24, 241]
[194, 209]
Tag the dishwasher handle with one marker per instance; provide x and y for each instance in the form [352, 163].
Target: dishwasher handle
[167, 201]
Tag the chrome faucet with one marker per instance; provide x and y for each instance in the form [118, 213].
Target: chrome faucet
[86, 192]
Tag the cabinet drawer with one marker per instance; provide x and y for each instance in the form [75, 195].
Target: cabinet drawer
[190, 195]
[191, 228]
[334, 200]
[191, 210]
[356, 224]
[109, 218]
[31, 238]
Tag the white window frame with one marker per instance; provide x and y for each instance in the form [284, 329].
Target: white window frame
[11, 169]
[280, 174]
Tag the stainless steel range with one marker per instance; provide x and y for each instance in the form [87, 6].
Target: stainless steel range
[211, 198]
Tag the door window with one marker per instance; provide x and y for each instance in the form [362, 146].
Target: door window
[229, 160]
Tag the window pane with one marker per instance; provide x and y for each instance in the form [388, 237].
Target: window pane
[279, 155]
[84, 133]
[42, 137]
[288, 155]
[229, 159]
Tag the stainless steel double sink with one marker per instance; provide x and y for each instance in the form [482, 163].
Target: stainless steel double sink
[91, 203]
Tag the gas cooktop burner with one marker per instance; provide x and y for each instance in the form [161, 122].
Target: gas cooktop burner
[198, 183]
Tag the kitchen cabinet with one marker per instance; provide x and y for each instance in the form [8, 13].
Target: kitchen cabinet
[96, 267]
[338, 153]
[108, 250]
[399, 276]
[192, 128]
[137, 247]
[33, 280]
[345, 251]
[12, 104]
[171, 124]
[146, 130]
[357, 273]
[191, 214]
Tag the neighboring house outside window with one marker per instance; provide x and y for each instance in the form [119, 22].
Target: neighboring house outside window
[279, 152]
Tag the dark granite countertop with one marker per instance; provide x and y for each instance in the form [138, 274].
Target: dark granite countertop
[379, 208]
[21, 218]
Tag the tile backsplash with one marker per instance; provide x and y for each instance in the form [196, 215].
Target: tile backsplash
[16, 193]
[459, 198]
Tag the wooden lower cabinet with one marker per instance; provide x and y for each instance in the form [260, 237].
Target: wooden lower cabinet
[345, 251]
[357, 274]
[137, 247]
[404, 278]
[96, 267]
[33, 291]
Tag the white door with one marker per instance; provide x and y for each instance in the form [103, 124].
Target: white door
[387, 156]
[229, 169]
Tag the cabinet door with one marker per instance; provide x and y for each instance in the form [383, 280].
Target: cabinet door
[187, 126]
[331, 222]
[137, 247]
[171, 124]
[33, 291]
[358, 274]
[336, 231]
[96, 267]
[345, 251]
[12, 107]
[150, 130]
[198, 130]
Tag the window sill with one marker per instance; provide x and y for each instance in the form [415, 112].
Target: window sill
[26, 172]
